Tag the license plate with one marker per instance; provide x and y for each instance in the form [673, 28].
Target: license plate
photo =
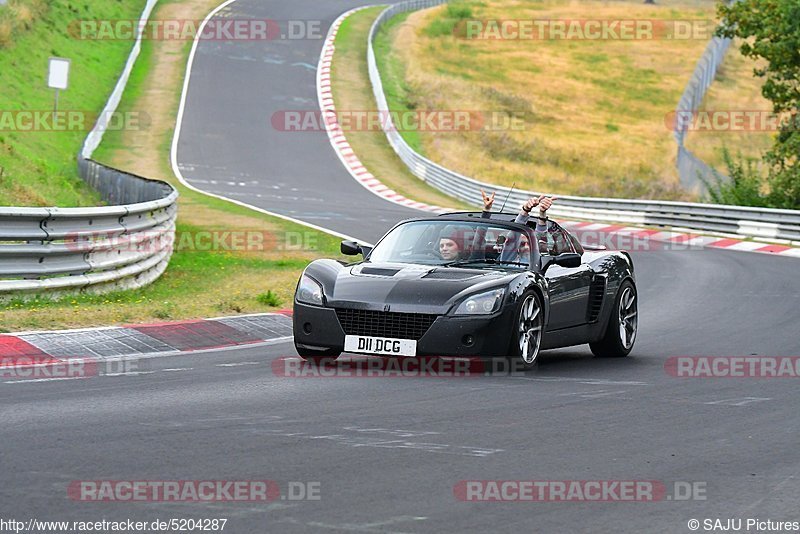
[380, 345]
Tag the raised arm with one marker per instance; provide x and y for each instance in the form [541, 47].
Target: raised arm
[511, 247]
[543, 202]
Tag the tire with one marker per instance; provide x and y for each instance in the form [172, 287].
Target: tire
[317, 357]
[526, 343]
[622, 325]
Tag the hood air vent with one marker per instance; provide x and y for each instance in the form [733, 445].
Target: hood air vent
[378, 271]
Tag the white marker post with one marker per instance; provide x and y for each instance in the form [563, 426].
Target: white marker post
[58, 75]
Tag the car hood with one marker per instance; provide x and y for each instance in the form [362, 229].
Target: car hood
[405, 287]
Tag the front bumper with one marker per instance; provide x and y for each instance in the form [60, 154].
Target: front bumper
[475, 336]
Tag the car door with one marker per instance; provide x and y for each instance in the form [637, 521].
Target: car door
[568, 286]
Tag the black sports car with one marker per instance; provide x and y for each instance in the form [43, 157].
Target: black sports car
[464, 284]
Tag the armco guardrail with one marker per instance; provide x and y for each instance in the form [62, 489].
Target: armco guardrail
[105, 248]
[751, 222]
[124, 245]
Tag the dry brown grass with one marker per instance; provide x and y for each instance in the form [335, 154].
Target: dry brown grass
[147, 149]
[19, 15]
[6, 32]
[595, 110]
[24, 15]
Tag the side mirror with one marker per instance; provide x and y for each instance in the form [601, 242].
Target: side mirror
[350, 248]
[568, 259]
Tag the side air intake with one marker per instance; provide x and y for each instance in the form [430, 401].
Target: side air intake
[597, 291]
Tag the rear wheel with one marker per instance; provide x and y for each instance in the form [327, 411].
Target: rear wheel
[527, 340]
[622, 325]
[317, 357]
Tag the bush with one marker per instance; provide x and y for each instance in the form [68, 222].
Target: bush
[745, 187]
[269, 299]
[769, 31]
[449, 22]
[459, 11]
[780, 189]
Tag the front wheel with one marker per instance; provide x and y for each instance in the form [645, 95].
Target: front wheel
[317, 357]
[529, 327]
[622, 325]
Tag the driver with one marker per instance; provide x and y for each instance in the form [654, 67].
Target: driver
[451, 243]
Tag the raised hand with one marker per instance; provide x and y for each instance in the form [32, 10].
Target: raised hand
[487, 200]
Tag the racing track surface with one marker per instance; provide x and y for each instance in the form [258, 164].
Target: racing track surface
[228, 145]
[388, 451]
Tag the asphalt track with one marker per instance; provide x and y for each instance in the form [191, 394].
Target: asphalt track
[388, 452]
[229, 146]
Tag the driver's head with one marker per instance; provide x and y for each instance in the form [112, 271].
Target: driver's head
[451, 243]
[448, 249]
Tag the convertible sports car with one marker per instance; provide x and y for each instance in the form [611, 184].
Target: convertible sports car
[463, 284]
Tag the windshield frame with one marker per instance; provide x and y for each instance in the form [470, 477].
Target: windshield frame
[535, 257]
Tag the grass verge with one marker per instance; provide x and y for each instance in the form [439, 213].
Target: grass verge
[226, 280]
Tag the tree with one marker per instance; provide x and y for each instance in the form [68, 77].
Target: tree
[771, 31]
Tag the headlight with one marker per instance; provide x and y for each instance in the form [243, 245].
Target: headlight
[482, 303]
[309, 291]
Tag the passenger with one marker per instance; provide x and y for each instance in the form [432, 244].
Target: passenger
[517, 248]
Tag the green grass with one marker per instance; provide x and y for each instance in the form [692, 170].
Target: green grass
[39, 168]
[114, 139]
[399, 96]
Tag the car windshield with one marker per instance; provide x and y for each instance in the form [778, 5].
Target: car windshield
[454, 243]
